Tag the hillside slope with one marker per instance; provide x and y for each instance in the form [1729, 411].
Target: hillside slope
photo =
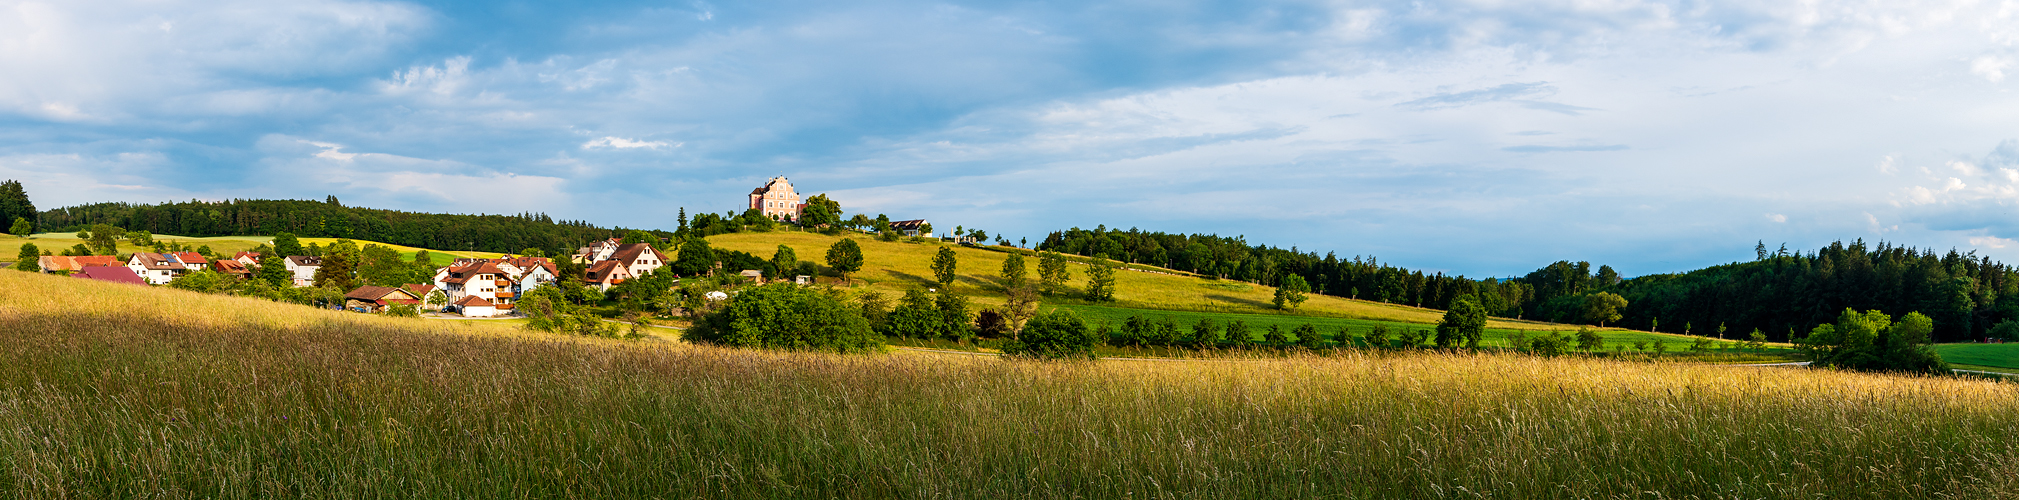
[898, 266]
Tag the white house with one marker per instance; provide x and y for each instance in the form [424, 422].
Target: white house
[605, 274]
[476, 307]
[494, 281]
[597, 251]
[192, 260]
[303, 268]
[156, 268]
[638, 258]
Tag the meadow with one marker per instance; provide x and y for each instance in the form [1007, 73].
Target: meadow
[1983, 357]
[116, 391]
[894, 267]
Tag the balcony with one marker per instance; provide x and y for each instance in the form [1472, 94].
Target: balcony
[504, 282]
[505, 295]
[503, 306]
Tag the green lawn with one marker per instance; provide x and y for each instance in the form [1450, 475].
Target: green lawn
[1981, 355]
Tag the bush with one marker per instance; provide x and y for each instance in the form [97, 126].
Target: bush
[1054, 335]
[787, 316]
[1553, 344]
[403, 311]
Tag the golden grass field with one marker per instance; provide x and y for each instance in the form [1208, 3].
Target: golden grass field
[894, 267]
[224, 245]
[124, 391]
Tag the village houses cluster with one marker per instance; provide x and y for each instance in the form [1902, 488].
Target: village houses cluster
[471, 287]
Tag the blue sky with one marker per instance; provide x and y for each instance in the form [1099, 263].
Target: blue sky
[1482, 138]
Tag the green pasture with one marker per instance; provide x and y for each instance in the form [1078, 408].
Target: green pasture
[1987, 357]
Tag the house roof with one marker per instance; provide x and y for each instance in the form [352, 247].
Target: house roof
[191, 258]
[254, 255]
[606, 270]
[907, 224]
[112, 274]
[752, 273]
[419, 289]
[231, 266]
[463, 274]
[158, 261]
[529, 263]
[380, 294]
[304, 261]
[474, 301]
[64, 263]
[629, 254]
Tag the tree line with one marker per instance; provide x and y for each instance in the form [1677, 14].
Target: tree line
[331, 219]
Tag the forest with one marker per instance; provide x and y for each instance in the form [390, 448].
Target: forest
[330, 219]
[1781, 294]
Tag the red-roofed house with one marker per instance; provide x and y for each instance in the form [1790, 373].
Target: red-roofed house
[598, 250]
[477, 307]
[605, 274]
[491, 280]
[422, 290]
[58, 263]
[777, 200]
[233, 268]
[113, 274]
[192, 260]
[372, 299]
[250, 259]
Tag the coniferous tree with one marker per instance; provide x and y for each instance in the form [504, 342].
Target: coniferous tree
[14, 203]
[1101, 281]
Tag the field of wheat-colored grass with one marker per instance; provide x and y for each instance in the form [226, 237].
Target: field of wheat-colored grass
[121, 391]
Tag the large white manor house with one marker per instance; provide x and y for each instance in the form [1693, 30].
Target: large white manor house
[777, 200]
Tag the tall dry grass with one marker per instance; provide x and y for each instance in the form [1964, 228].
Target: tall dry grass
[127, 395]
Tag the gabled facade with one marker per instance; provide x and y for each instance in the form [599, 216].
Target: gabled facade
[597, 251]
[915, 227]
[193, 261]
[374, 299]
[638, 259]
[777, 200]
[156, 268]
[303, 268]
[605, 274]
[232, 268]
[250, 259]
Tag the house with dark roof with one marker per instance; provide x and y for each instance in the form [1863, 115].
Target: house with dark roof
[605, 274]
[303, 268]
[156, 268]
[375, 299]
[914, 227]
[114, 274]
[638, 258]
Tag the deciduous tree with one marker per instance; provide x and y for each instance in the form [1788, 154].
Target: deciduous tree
[29, 259]
[1101, 281]
[1057, 335]
[1291, 293]
[944, 264]
[845, 258]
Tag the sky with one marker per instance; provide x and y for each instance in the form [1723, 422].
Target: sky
[1485, 138]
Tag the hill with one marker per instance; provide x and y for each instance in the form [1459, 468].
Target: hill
[115, 391]
[894, 267]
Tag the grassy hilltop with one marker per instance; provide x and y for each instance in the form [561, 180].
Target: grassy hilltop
[893, 267]
[114, 391]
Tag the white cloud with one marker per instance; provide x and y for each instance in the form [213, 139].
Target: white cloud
[1777, 217]
[1990, 241]
[622, 143]
[1992, 68]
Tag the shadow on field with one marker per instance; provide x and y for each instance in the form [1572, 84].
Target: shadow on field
[1242, 301]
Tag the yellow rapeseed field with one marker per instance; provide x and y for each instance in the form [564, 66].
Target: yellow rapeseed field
[122, 391]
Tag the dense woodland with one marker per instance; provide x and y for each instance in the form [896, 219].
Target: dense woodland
[330, 219]
[1781, 294]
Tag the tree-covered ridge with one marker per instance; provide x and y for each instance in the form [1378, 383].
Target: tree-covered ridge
[330, 219]
[1233, 258]
[1786, 292]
